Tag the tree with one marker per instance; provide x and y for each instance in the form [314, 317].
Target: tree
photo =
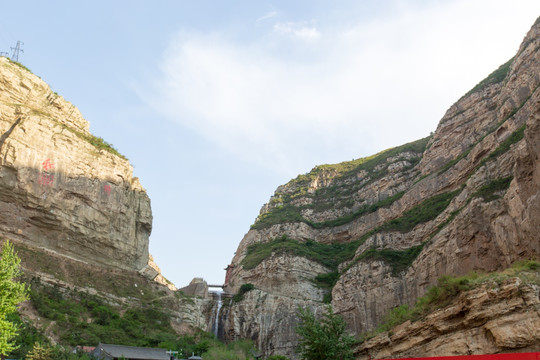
[12, 292]
[40, 352]
[324, 338]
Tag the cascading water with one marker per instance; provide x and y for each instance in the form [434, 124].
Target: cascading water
[215, 328]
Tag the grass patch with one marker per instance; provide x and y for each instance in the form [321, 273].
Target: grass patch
[327, 255]
[449, 287]
[371, 162]
[245, 288]
[279, 215]
[40, 113]
[326, 282]
[442, 225]
[81, 318]
[20, 65]
[96, 141]
[360, 212]
[489, 191]
[338, 194]
[503, 147]
[509, 141]
[427, 210]
[334, 254]
[78, 318]
[495, 77]
[451, 163]
[399, 260]
[290, 214]
[128, 284]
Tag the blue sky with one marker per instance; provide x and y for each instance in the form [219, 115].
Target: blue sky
[217, 103]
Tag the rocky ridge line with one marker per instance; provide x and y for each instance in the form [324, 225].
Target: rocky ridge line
[484, 155]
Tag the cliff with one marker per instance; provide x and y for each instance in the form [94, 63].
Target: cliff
[374, 233]
[80, 222]
[61, 188]
[499, 314]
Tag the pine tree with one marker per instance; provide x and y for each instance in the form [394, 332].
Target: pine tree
[40, 352]
[12, 292]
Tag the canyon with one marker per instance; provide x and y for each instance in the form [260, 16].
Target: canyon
[364, 236]
[464, 199]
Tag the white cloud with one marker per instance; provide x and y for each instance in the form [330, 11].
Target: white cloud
[297, 30]
[360, 89]
[267, 16]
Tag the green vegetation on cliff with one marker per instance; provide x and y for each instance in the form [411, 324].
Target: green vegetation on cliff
[503, 147]
[509, 141]
[80, 318]
[329, 255]
[494, 78]
[290, 213]
[323, 338]
[12, 292]
[337, 195]
[93, 140]
[399, 260]
[489, 191]
[426, 211]
[449, 287]
[245, 288]
[69, 314]
[332, 255]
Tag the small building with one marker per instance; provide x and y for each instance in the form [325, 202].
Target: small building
[115, 352]
[84, 349]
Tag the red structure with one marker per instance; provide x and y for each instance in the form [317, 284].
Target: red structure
[229, 269]
[512, 356]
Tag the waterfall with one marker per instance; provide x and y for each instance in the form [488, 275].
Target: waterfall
[215, 328]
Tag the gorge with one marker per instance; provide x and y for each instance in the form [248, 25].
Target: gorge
[365, 236]
[369, 235]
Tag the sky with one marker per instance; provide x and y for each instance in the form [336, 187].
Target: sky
[217, 103]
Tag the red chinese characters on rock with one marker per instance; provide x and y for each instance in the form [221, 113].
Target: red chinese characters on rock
[107, 189]
[46, 176]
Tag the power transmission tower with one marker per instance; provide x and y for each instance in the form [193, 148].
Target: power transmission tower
[16, 50]
[3, 53]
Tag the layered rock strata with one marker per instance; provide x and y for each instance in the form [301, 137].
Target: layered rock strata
[61, 188]
[490, 319]
[467, 198]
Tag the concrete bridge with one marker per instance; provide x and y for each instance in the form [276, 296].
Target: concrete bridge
[216, 286]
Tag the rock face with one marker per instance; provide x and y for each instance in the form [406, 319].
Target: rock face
[70, 203]
[62, 188]
[467, 198]
[489, 319]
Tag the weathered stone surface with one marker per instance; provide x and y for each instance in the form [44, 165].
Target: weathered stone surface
[70, 201]
[153, 272]
[284, 275]
[58, 190]
[197, 287]
[469, 150]
[266, 318]
[120, 288]
[516, 327]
